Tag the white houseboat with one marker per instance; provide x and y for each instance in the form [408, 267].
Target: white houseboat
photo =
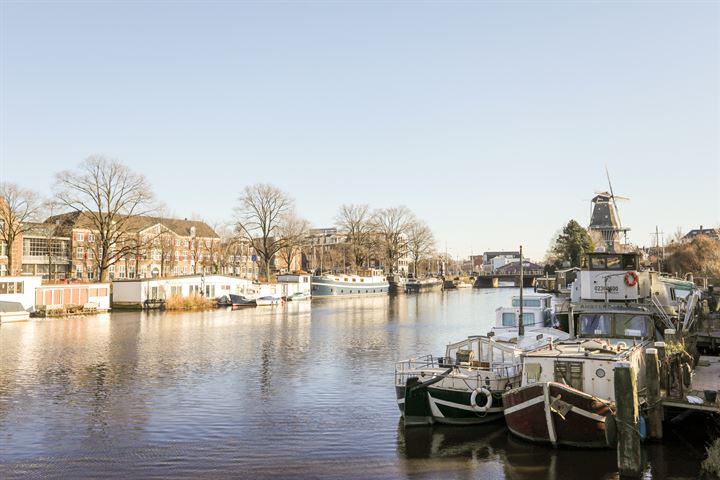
[367, 282]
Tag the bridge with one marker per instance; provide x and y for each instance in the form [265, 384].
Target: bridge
[493, 279]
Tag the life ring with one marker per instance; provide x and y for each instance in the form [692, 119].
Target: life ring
[631, 279]
[488, 401]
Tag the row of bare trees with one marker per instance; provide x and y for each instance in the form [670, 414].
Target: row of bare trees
[386, 234]
[110, 197]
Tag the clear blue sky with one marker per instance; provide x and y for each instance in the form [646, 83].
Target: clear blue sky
[491, 121]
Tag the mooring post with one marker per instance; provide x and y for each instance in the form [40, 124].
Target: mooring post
[628, 435]
[654, 399]
[660, 347]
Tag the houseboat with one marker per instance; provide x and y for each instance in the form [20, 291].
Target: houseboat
[537, 313]
[367, 282]
[567, 389]
[415, 285]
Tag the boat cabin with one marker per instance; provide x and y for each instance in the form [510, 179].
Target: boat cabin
[630, 325]
[537, 312]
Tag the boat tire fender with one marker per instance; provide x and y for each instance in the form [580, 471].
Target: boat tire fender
[488, 399]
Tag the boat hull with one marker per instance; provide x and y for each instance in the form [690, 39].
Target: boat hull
[556, 414]
[237, 301]
[322, 287]
[436, 405]
[419, 287]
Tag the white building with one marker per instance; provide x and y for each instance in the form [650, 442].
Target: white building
[136, 293]
[20, 289]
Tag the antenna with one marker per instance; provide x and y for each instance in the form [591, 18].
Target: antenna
[612, 197]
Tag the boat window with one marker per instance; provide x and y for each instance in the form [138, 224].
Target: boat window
[569, 373]
[631, 325]
[629, 262]
[528, 318]
[508, 319]
[613, 263]
[354, 279]
[362, 279]
[531, 302]
[595, 324]
[515, 302]
[597, 263]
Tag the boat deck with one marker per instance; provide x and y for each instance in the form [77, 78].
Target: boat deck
[706, 377]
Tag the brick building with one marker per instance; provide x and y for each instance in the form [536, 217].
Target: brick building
[148, 247]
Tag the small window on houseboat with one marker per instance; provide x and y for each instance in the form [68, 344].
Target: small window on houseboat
[508, 319]
[597, 263]
[595, 324]
[613, 263]
[631, 325]
[629, 262]
[531, 302]
[528, 318]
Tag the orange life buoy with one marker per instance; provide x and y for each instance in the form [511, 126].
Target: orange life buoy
[631, 279]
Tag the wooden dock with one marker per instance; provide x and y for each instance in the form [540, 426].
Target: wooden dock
[706, 376]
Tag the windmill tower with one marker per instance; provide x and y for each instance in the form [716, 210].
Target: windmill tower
[605, 226]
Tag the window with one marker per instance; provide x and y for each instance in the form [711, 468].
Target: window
[631, 325]
[80, 237]
[508, 319]
[595, 324]
[569, 373]
[91, 237]
[3, 249]
[78, 271]
[11, 287]
[80, 253]
[613, 263]
[597, 263]
[528, 318]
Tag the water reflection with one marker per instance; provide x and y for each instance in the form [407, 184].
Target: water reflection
[304, 390]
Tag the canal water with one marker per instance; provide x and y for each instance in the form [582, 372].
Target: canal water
[299, 391]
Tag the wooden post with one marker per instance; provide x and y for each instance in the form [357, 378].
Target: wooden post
[626, 402]
[660, 347]
[669, 335]
[654, 398]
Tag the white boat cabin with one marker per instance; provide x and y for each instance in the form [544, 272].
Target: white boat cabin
[586, 363]
[537, 313]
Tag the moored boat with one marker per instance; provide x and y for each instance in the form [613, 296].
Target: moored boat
[415, 285]
[465, 386]
[555, 413]
[298, 296]
[267, 301]
[241, 301]
[367, 282]
[13, 312]
[567, 390]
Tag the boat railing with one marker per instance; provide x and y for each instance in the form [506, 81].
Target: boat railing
[413, 366]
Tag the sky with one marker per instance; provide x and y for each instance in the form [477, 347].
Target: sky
[492, 121]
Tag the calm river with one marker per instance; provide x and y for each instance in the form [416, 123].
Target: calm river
[299, 391]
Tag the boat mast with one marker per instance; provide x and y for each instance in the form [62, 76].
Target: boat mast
[521, 327]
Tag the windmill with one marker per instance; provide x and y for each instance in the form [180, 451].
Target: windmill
[605, 218]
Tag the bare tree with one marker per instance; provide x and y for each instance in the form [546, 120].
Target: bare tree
[293, 231]
[110, 196]
[356, 222]
[259, 216]
[20, 207]
[420, 243]
[392, 225]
